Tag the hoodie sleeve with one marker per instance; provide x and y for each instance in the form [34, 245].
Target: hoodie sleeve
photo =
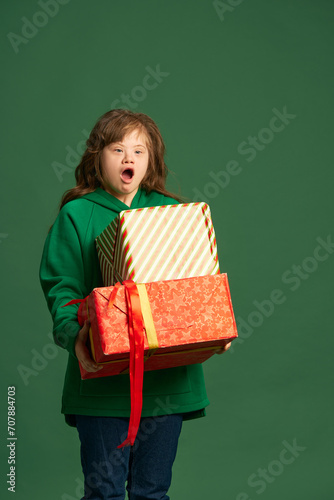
[62, 278]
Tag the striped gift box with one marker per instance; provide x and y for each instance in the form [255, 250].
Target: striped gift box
[158, 243]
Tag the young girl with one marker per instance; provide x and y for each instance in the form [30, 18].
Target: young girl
[123, 166]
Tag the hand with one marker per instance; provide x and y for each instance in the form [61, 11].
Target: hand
[82, 352]
[225, 347]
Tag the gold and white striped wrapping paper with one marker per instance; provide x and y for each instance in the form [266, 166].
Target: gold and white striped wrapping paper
[158, 243]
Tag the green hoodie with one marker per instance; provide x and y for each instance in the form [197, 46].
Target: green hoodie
[70, 270]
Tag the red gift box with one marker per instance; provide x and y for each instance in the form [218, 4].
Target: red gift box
[191, 317]
[156, 325]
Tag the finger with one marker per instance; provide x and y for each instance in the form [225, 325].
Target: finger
[94, 368]
[83, 333]
[223, 349]
[85, 329]
[90, 366]
[87, 361]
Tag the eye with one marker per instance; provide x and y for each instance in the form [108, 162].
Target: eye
[138, 151]
[118, 149]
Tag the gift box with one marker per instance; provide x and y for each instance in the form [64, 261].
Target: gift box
[156, 325]
[184, 321]
[158, 243]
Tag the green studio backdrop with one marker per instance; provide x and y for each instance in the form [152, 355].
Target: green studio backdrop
[242, 93]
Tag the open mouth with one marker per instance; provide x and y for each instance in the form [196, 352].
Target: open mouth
[127, 174]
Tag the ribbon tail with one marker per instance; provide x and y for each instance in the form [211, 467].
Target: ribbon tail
[136, 369]
[74, 301]
[81, 314]
[113, 294]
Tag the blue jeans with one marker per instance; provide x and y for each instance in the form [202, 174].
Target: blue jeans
[146, 466]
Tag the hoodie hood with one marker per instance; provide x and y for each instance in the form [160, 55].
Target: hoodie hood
[140, 200]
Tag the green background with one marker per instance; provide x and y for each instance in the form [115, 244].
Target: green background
[224, 74]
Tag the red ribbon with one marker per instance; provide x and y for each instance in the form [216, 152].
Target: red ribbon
[136, 368]
[80, 314]
[136, 341]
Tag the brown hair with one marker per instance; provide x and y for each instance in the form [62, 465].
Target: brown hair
[112, 127]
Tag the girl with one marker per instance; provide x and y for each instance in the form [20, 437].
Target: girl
[123, 166]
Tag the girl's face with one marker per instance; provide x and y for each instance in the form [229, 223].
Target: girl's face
[124, 165]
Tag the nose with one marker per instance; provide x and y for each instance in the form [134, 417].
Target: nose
[128, 157]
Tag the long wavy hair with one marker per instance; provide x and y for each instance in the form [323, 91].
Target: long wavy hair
[112, 127]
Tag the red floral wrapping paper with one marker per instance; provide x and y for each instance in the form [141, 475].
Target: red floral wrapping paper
[191, 316]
